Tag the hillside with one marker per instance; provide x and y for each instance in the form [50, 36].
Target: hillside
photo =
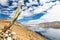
[21, 32]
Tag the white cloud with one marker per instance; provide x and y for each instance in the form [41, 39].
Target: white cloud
[33, 1]
[25, 13]
[52, 14]
[36, 10]
[3, 2]
[40, 9]
[37, 21]
[44, 1]
[15, 4]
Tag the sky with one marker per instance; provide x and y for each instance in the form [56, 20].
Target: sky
[33, 11]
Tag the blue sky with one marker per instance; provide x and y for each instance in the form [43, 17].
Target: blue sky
[33, 11]
[3, 16]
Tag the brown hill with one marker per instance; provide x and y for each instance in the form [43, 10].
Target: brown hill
[21, 32]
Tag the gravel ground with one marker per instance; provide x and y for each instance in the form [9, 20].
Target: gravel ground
[8, 35]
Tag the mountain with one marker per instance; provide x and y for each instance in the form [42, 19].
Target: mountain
[21, 32]
[55, 24]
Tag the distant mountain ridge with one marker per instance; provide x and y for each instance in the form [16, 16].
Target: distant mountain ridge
[55, 24]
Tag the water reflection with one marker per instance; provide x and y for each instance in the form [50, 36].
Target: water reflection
[49, 33]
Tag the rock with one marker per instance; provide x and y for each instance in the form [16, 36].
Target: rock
[9, 38]
[0, 31]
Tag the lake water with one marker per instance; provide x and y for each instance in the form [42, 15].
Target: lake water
[50, 33]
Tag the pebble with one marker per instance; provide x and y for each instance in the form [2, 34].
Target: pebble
[9, 38]
[13, 33]
[8, 35]
[0, 31]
